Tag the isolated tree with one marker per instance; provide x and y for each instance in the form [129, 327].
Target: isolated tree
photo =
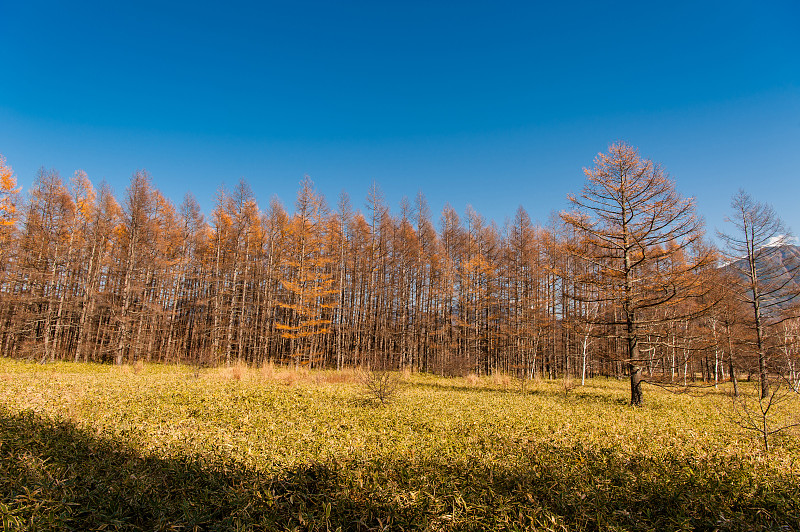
[634, 223]
[766, 268]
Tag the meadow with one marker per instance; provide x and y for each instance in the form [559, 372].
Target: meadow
[165, 447]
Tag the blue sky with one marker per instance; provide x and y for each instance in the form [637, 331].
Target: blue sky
[495, 104]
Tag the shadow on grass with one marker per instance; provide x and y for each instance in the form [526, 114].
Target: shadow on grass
[56, 476]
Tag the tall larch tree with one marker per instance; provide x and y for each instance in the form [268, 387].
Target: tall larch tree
[136, 238]
[185, 294]
[102, 219]
[46, 241]
[308, 284]
[274, 223]
[338, 237]
[634, 219]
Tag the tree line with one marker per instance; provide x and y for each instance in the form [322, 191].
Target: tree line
[623, 284]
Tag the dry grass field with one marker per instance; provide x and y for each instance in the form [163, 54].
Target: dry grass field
[155, 447]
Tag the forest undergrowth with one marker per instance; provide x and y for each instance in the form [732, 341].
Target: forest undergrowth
[164, 447]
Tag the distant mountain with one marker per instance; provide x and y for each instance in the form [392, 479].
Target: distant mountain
[788, 259]
[778, 269]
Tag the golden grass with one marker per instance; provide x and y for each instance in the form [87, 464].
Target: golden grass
[474, 449]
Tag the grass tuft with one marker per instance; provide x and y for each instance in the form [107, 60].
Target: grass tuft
[472, 379]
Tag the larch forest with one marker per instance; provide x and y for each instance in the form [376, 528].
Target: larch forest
[625, 284]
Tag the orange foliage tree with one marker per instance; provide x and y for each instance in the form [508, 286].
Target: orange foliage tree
[8, 194]
[307, 282]
[8, 210]
[635, 224]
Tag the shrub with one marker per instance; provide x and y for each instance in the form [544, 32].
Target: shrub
[379, 385]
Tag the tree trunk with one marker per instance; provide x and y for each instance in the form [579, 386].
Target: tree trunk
[636, 385]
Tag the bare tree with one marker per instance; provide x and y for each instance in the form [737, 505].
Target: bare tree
[766, 268]
[767, 415]
[380, 385]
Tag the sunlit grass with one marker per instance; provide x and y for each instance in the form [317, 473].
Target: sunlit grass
[271, 448]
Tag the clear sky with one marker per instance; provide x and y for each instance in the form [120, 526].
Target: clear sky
[494, 104]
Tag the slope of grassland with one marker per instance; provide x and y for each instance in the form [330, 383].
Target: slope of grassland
[170, 448]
